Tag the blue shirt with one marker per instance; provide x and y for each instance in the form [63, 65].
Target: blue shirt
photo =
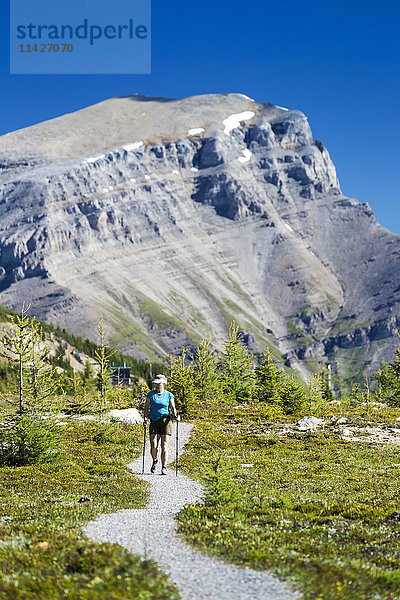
[159, 404]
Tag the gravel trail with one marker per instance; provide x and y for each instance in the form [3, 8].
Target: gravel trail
[151, 532]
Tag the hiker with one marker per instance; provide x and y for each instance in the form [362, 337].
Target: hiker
[159, 403]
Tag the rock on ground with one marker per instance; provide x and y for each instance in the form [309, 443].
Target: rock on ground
[309, 423]
[126, 415]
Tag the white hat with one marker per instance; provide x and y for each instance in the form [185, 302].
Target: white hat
[160, 379]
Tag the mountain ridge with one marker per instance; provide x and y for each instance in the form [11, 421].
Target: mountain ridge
[209, 208]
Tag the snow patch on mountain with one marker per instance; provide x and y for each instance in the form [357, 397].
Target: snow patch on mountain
[233, 121]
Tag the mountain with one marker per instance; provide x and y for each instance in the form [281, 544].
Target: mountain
[171, 217]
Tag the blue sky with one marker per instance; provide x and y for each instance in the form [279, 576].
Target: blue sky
[338, 63]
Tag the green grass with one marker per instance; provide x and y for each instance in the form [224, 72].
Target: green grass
[332, 302]
[195, 318]
[157, 316]
[293, 326]
[150, 309]
[343, 326]
[316, 510]
[152, 313]
[43, 553]
[127, 329]
[231, 311]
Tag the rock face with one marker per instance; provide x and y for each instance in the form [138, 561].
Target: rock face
[173, 217]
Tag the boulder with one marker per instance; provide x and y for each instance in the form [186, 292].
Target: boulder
[307, 423]
[126, 415]
[345, 432]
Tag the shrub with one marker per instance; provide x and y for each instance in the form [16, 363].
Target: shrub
[236, 368]
[27, 441]
[205, 375]
[268, 379]
[292, 396]
[101, 432]
[181, 383]
[388, 381]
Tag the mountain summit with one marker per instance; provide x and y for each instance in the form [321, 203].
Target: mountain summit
[172, 217]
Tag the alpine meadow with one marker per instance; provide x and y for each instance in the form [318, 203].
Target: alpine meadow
[204, 244]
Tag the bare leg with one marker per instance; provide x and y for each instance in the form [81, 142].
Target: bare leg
[164, 449]
[154, 446]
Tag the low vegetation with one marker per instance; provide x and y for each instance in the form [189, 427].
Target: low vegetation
[43, 553]
[58, 474]
[314, 507]
[317, 508]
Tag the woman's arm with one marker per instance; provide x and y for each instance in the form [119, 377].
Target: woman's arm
[174, 413]
[146, 408]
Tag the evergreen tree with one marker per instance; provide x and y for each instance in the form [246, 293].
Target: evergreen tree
[27, 351]
[103, 354]
[205, 375]
[388, 381]
[44, 378]
[356, 395]
[142, 391]
[236, 368]
[325, 384]
[320, 390]
[181, 382]
[31, 436]
[268, 380]
[88, 373]
[292, 396]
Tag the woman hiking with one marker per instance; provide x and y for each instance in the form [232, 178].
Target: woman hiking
[159, 403]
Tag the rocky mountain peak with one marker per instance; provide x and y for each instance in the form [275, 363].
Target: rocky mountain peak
[172, 217]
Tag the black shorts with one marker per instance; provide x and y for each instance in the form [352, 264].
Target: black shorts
[161, 427]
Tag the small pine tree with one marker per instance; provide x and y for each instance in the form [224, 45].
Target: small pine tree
[19, 350]
[102, 355]
[88, 373]
[325, 386]
[142, 391]
[388, 381]
[268, 380]
[26, 350]
[292, 396]
[44, 383]
[205, 375]
[236, 368]
[356, 395]
[181, 383]
[31, 436]
[320, 391]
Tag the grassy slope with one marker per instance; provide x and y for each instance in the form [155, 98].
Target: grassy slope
[139, 368]
[43, 553]
[315, 509]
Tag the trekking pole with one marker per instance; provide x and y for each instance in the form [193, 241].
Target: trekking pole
[176, 448]
[144, 444]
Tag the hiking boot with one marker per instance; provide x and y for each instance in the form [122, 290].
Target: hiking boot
[153, 466]
[164, 471]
